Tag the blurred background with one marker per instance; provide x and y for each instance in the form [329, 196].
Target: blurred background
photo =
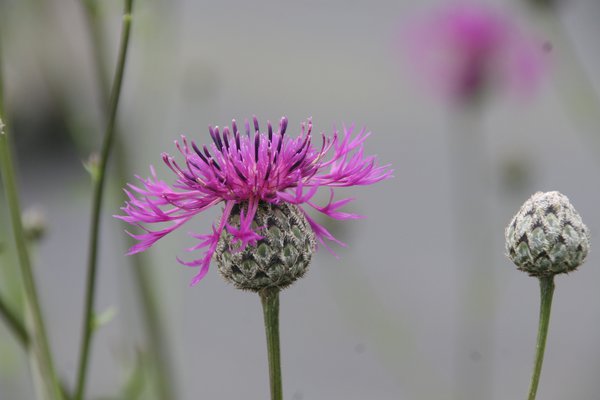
[405, 312]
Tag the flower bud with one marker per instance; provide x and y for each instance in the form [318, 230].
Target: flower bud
[278, 259]
[547, 236]
[34, 224]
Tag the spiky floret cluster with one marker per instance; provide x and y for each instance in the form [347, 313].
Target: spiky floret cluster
[547, 236]
[249, 168]
[278, 259]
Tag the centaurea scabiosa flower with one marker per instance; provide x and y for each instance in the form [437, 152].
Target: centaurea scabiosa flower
[463, 49]
[265, 180]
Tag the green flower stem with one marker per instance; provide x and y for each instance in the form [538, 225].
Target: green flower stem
[148, 302]
[579, 98]
[40, 346]
[546, 291]
[270, 304]
[473, 240]
[158, 348]
[38, 342]
[97, 203]
[14, 323]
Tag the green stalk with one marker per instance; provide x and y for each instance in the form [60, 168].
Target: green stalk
[38, 343]
[546, 291]
[40, 346]
[270, 303]
[143, 280]
[97, 203]
[579, 98]
[14, 323]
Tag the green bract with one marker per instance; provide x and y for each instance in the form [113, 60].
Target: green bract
[547, 236]
[278, 259]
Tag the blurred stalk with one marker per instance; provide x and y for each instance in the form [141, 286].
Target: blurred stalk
[157, 348]
[14, 323]
[97, 202]
[39, 349]
[474, 246]
[576, 91]
[392, 339]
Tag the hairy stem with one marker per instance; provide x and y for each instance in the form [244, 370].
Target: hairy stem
[546, 292]
[270, 304]
[97, 203]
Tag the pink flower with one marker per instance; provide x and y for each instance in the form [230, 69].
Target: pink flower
[463, 50]
[248, 168]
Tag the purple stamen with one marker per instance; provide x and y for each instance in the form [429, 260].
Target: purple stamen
[217, 138]
[247, 127]
[256, 128]
[256, 145]
[283, 125]
[226, 137]
[270, 131]
[197, 150]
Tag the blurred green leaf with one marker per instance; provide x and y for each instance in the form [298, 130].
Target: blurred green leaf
[134, 385]
[103, 318]
[92, 166]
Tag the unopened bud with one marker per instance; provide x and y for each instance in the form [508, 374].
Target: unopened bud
[34, 224]
[547, 236]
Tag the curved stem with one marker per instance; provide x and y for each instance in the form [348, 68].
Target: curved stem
[14, 323]
[148, 302]
[546, 291]
[270, 303]
[143, 279]
[473, 240]
[40, 348]
[97, 203]
[579, 98]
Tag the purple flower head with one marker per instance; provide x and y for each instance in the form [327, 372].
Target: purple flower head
[248, 167]
[464, 49]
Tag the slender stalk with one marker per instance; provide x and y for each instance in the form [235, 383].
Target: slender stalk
[158, 349]
[20, 331]
[546, 291]
[473, 241]
[143, 280]
[40, 348]
[14, 323]
[270, 303]
[577, 91]
[97, 202]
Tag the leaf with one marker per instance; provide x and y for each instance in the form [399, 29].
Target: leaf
[103, 318]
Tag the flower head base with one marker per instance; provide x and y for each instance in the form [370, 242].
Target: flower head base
[253, 169]
[547, 236]
[465, 49]
[277, 259]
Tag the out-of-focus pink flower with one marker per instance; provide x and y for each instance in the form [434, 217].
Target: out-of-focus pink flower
[248, 168]
[464, 50]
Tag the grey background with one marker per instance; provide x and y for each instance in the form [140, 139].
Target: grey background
[385, 320]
